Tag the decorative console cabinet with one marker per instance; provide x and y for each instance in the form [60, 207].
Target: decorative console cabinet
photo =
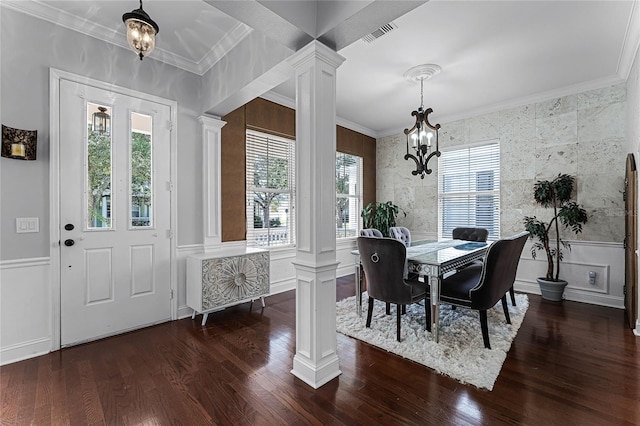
[226, 278]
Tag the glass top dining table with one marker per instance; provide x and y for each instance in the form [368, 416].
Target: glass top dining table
[431, 260]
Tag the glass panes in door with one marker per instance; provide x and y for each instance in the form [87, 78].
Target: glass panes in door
[98, 163]
[141, 184]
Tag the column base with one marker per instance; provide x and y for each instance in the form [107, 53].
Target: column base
[315, 375]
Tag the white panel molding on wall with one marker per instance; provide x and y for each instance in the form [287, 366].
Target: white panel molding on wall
[182, 252]
[606, 259]
[25, 309]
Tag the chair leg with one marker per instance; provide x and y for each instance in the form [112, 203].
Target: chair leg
[404, 309]
[485, 329]
[398, 318]
[388, 311]
[505, 308]
[369, 312]
[513, 296]
[453, 307]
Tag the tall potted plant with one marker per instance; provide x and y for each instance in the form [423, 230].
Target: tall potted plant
[381, 216]
[554, 194]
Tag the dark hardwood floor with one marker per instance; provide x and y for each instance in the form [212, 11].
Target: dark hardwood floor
[570, 364]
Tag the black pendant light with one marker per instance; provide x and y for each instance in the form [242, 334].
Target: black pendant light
[423, 136]
[141, 31]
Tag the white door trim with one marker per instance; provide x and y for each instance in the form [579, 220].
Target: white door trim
[55, 76]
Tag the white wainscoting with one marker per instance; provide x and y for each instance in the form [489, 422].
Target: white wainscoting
[26, 300]
[25, 309]
[282, 272]
[182, 252]
[344, 247]
[605, 259]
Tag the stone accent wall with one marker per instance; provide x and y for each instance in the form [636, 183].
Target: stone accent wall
[581, 134]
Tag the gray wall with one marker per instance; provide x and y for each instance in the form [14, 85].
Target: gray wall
[633, 108]
[26, 57]
[581, 134]
[633, 130]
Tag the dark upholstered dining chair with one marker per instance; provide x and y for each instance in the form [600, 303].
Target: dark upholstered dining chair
[370, 232]
[477, 234]
[401, 234]
[481, 286]
[470, 234]
[383, 261]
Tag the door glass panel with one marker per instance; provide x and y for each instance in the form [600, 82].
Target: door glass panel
[141, 170]
[98, 172]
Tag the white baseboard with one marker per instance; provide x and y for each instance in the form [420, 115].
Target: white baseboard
[282, 286]
[184, 312]
[24, 350]
[636, 330]
[574, 295]
[345, 270]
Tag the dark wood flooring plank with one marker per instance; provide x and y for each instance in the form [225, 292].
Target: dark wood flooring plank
[11, 378]
[571, 363]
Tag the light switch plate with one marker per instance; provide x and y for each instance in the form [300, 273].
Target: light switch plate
[27, 224]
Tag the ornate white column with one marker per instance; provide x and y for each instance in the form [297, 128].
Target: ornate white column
[316, 360]
[211, 203]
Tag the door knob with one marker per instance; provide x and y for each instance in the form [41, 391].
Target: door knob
[69, 227]
[69, 242]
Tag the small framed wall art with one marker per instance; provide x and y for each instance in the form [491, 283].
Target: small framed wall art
[19, 144]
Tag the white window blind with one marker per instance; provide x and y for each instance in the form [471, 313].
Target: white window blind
[348, 194]
[469, 189]
[270, 190]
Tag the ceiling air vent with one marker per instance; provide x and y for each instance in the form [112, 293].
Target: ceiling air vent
[380, 32]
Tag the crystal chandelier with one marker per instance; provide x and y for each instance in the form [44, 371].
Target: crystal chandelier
[423, 136]
[141, 31]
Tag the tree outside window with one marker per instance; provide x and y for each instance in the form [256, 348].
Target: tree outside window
[348, 194]
[270, 190]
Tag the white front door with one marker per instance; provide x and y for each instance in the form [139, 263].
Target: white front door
[114, 213]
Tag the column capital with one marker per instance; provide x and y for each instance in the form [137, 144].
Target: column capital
[211, 121]
[316, 50]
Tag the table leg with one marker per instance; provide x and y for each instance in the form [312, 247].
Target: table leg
[358, 289]
[434, 283]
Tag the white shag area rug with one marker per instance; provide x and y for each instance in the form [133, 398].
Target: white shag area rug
[460, 352]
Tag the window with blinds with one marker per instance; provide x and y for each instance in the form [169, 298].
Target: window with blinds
[469, 189]
[348, 194]
[270, 190]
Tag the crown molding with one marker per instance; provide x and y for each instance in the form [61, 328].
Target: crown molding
[291, 103]
[513, 103]
[224, 46]
[356, 127]
[46, 12]
[279, 99]
[631, 43]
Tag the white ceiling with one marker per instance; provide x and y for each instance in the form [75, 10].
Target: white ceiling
[493, 54]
